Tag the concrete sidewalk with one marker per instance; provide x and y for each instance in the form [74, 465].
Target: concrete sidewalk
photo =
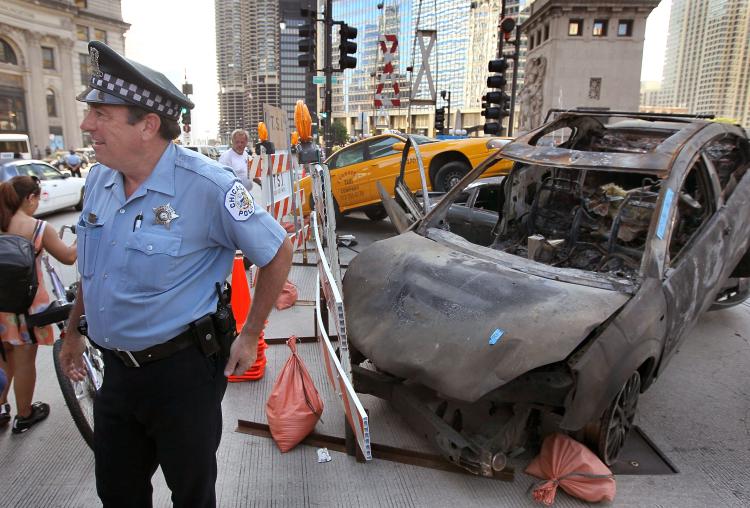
[698, 413]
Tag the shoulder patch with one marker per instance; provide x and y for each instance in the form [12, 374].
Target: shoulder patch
[239, 203]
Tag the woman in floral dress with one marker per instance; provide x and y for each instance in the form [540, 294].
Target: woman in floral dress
[19, 199]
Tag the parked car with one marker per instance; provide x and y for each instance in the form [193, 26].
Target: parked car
[616, 233]
[59, 191]
[356, 169]
[208, 151]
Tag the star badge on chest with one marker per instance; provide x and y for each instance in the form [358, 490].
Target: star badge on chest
[164, 215]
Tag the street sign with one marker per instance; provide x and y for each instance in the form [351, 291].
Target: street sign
[278, 128]
[321, 80]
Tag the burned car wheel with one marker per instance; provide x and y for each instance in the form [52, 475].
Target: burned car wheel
[607, 436]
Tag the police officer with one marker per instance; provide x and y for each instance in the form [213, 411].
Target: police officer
[159, 228]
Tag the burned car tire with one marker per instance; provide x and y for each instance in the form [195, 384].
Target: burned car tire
[449, 175]
[736, 291]
[375, 212]
[607, 435]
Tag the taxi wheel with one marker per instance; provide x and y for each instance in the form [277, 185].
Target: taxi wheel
[449, 175]
[375, 212]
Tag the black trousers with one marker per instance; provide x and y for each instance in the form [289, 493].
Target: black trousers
[166, 413]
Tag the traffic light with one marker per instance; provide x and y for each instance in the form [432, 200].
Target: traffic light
[347, 47]
[307, 39]
[498, 97]
[186, 119]
[439, 120]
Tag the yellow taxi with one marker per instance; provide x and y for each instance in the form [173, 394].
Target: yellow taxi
[356, 168]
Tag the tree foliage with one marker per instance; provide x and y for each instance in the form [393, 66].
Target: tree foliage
[339, 133]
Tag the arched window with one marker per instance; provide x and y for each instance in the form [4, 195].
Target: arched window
[7, 55]
[51, 103]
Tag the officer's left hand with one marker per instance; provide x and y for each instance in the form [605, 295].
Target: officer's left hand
[242, 355]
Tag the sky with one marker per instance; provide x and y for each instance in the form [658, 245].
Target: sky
[178, 38]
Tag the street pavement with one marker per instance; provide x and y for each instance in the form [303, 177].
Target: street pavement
[698, 414]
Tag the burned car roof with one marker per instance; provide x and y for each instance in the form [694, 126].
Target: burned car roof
[593, 145]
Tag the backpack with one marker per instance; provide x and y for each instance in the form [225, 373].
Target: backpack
[18, 276]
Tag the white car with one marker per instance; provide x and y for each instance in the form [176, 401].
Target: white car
[59, 190]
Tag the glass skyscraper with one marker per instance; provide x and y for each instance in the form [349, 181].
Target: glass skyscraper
[466, 39]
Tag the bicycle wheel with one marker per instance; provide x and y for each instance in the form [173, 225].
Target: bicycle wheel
[79, 396]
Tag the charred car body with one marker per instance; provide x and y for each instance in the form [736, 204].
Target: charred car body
[615, 233]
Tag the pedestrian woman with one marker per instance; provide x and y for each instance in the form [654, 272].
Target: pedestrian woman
[19, 199]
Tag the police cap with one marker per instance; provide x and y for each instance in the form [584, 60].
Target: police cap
[117, 80]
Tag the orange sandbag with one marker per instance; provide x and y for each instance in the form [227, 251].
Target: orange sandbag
[294, 406]
[565, 462]
[287, 297]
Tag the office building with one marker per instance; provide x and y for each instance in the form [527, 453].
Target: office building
[707, 62]
[256, 59]
[296, 82]
[229, 67]
[582, 53]
[44, 64]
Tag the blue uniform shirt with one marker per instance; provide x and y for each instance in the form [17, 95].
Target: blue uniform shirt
[72, 159]
[145, 280]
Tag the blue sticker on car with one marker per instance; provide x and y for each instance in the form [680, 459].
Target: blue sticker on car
[496, 335]
[664, 215]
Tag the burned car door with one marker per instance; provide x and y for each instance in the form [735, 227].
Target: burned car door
[459, 213]
[485, 213]
[696, 248]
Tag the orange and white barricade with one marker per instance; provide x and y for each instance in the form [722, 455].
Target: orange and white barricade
[276, 172]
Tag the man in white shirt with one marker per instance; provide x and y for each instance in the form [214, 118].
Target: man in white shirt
[236, 157]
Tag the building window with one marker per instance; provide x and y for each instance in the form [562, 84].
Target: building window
[600, 28]
[48, 57]
[575, 27]
[531, 42]
[625, 28]
[595, 88]
[51, 103]
[100, 35]
[81, 4]
[82, 33]
[546, 32]
[12, 112]
[7, 55]
[83, 68]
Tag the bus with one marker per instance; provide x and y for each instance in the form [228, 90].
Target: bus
[14, 146]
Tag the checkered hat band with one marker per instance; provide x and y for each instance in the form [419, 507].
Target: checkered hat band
[134, 93]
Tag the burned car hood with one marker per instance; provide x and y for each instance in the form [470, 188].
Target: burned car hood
[461, 324]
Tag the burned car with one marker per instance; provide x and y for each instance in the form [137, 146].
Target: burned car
[615, 233]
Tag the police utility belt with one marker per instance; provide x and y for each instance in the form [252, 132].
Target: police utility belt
[213, 333]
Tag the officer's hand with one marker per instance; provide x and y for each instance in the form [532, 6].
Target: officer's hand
[242, 355]
[71, 356]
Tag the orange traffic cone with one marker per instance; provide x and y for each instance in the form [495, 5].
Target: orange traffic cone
[241, 302]
[241, 299]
